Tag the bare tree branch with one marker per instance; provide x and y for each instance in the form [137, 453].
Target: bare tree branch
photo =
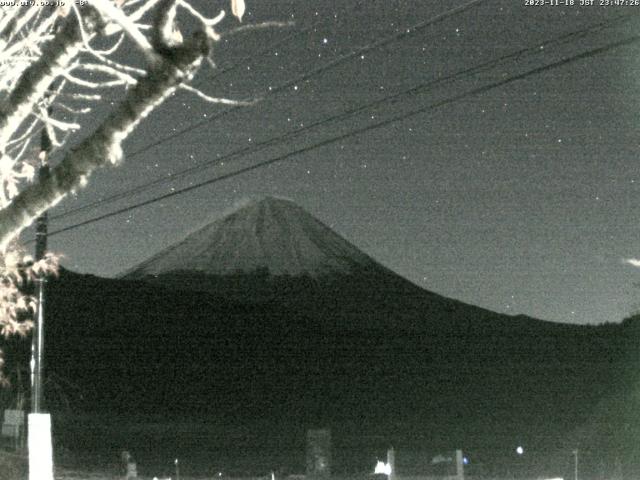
[48, 57]
[35, 80]
[104, 145]
[110, 11]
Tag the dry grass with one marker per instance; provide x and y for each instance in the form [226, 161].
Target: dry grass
[16, 467]
[12, 466]
[83, 475]
[63, 474]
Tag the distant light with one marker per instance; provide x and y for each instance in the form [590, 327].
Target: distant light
[384, 468]
[633, 261]
[465, 460]
[519, 450]
[441, 459]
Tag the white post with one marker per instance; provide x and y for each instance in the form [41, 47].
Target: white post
[391, 461]
[575, 465]
[40, 447]
[459, 465]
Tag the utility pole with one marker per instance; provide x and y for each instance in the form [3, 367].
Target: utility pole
[39, 423]
[37, 339]
[575, 464]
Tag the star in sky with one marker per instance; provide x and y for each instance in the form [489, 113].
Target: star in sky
[514, 189]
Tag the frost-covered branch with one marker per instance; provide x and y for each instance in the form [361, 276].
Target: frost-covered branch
[105, 144]
[35, 80]
[207, 23]
[146, 7]
[237, 8]
[110, 11]
[210, 99]
[108, 70]
[258, 26]
[55, 63]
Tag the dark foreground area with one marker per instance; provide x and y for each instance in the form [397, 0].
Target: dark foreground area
[208, 448]
[227, 373]
[231, 383]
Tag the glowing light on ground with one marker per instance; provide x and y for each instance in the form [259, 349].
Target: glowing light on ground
[633, 261]
[382, 467]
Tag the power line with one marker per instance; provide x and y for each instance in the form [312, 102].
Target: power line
[250, 58]
[321, 69]
[329, 141]
[305, 76]
[224, 70]
[235, 65]
[346, 114]
[231, 66]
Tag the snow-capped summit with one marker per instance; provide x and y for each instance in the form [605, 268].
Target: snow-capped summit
[270, 235]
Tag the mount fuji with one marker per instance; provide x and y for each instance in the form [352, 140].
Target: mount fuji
[272, 250]
[272, 235]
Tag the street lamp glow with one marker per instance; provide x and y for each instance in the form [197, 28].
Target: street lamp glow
[519, 450]
[383, 468]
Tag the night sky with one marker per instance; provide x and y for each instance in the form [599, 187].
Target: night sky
[519, 198]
